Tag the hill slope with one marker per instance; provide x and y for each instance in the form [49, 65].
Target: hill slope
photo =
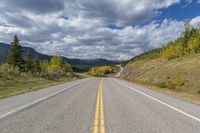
[180, 74]
[77, 64]
[4, 50]
[176, 66]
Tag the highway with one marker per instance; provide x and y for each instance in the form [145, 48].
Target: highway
[98, 105]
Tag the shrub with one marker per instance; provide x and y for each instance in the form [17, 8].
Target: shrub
[198, 91]
[176, 81]
[101, 70]
[194, 45]
[55, 68]
[8, 70]
[162, 85]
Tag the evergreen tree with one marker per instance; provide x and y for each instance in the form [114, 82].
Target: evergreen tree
[37, 65]
[15, 57]
[187, 33]
[29, 61]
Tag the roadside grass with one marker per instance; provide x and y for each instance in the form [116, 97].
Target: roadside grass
[17, 85]
[193, 98]
[83, 75]
[178, 77]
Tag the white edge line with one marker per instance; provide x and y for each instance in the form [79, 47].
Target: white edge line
[38, 101]
[174, 108]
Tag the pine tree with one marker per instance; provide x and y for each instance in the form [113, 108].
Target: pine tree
[187, 33]
[29, 61]
[15, 57]
[37, 65]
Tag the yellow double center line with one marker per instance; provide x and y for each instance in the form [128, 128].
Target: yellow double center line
[99, 113]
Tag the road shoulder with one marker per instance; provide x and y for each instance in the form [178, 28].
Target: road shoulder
[195, 99]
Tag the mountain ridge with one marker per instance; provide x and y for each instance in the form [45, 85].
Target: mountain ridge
[4, 50]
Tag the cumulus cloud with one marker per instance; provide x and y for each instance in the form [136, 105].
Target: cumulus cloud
[121, 12]
[187, 3]
[107, 11]
[36, 6]
[196, 21]
[79, 28]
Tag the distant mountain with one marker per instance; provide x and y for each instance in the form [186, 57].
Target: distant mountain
[4, 50]
[77, 64]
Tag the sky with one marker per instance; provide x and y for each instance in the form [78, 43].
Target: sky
[89, 29]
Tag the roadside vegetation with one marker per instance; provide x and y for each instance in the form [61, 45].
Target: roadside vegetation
[187, 44]
[175, 67]
[22, 73]
[102, 70]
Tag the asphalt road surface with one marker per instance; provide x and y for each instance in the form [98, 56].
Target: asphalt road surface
[97, 105]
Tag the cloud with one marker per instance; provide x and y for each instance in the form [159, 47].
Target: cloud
[79, 28]
[195, 21]
[115, 44]
[187, 3]
[126, 12]
[35, 6]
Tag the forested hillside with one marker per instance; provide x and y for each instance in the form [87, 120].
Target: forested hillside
[174, 66]
[187, 44]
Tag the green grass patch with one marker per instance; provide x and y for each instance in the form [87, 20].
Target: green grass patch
[16, 85]
[83, 75]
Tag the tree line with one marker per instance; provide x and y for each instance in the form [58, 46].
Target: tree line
[101, 70]
[18, 64]
[187, 44]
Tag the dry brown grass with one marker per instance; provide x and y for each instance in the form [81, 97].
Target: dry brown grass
[178, 94]
[179, 77]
